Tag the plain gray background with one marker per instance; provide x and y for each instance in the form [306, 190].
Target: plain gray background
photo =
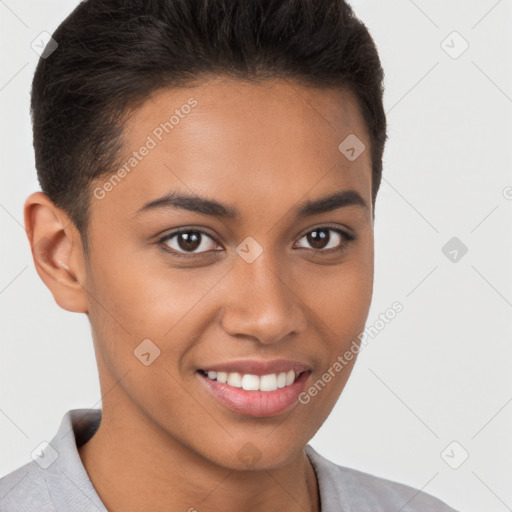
[434, 385]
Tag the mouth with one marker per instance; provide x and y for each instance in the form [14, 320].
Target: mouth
[254, 388]
[250, 382]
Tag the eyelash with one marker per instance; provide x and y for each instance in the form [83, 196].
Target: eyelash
[346, 236]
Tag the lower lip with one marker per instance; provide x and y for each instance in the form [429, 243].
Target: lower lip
[257, 403]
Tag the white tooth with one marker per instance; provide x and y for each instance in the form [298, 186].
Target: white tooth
[290, 377]
[250, 382]
[281, 380]
[235, 379]
[222, 377]
[212, 374]
[268, 382]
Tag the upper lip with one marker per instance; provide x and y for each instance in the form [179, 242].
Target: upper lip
[255, 367]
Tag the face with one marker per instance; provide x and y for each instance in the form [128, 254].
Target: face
[246, 280]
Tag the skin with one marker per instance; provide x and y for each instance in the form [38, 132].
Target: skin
[263, 149]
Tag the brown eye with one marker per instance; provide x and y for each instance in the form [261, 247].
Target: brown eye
[189, 241]
[196, 242]
[318, 238]
[322, 239]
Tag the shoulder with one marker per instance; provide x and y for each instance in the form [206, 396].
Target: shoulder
[55, 480]
[25, 489]
[356, 491]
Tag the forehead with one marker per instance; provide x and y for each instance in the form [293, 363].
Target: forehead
[276, 109]
[243, 143]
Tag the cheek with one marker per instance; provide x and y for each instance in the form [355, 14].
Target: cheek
[342, 297]
[134, 299]
[340, 306]
[143, 293]
[141, 309]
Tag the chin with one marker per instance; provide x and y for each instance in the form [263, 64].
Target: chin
[253, 453]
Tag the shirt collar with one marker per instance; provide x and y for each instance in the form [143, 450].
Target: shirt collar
[69, 484]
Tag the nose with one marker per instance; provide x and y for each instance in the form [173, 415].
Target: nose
[261, 303]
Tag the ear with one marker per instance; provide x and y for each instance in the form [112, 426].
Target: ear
[57, 251]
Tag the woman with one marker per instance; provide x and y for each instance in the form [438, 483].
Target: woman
[209, 172]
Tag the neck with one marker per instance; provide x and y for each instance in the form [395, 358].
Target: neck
[134, 465]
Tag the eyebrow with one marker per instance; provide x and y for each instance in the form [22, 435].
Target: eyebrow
[211, 207]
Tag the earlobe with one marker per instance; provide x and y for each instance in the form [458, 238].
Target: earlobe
[56, 250]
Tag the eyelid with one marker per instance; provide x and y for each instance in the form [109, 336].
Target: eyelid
[335, 227]
[172, 234]
[347, 235]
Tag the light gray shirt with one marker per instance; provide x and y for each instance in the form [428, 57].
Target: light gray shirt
[56, 480]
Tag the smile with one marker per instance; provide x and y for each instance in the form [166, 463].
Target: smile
[250, 382]
[256, 388]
